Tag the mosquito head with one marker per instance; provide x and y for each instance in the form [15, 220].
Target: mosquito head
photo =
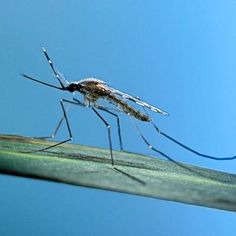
[74, 86]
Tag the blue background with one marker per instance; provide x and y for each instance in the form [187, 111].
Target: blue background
[177, 55]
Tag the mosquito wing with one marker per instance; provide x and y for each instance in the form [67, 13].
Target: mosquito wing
[137, 100]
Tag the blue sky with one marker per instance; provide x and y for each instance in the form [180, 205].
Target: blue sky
[177, 55]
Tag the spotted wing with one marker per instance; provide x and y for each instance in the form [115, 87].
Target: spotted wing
[137, 100]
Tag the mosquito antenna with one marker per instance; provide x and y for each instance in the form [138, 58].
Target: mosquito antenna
[58, 76]
[41, 82]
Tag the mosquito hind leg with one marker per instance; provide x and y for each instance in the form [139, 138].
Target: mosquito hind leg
[149, 145]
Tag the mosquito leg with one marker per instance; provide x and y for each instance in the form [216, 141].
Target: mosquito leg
[189, 148]
[57, 127]
[153, 124]
[166, 156]
[121, 146]
[118, 123]
[109, 134]
[52, 67]
[78, 102]
[62, 101]
[75, 102]
[53, 135]
[155, 149]
[67, 125]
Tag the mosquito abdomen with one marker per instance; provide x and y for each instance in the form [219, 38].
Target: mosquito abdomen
[125, 107]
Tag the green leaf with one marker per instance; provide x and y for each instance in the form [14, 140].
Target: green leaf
[133, 173]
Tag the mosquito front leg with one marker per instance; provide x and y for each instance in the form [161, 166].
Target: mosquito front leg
[67, 125]
[53, 135]
[52, 67]
[62, 101]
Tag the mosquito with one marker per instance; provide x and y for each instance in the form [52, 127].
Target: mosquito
[95, 90]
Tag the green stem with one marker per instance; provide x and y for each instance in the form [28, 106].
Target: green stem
[133, 173]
